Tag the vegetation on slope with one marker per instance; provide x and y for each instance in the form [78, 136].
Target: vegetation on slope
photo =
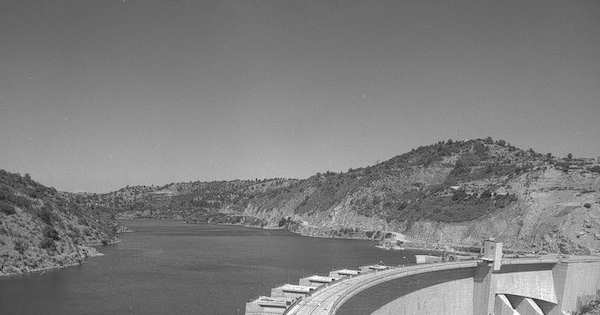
[448, 182]
[429, 183]
[41, 228]
[460, 183]
[182, 200]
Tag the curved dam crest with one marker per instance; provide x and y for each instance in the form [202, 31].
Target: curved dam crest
[490, 285]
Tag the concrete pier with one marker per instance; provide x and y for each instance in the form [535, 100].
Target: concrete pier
[290, 290]
[344, 273]
[269, 305]
[284, 297]
[316, 281]
[373, 268]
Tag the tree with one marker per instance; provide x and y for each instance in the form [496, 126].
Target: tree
[20, 246]
[51, 233]
[486, 194]
[282, 222]
[569, 156]
[459, 195]
[46, 215]
[6, 208]
[586, 309]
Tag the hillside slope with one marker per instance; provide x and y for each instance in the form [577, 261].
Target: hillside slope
[451, 192]
[41, 228]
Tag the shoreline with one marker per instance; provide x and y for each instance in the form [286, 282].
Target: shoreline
[397, 235]
[74, 259]
[42, 270]
[452, 248]
[89, 250]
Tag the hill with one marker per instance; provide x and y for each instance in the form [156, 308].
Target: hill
[447, 193]
[41, 228]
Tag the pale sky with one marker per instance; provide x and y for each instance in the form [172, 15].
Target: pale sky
[96, 95]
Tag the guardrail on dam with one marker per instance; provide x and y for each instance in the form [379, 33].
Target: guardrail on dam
[490, 285]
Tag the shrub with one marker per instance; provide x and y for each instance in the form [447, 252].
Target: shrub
[51, 233]
[5, 193]
[47, 243]
[8, 197]
[282, 222]
[459, 194]
[20, 246]
[82, 221]
[21, 202]
[587, 205]
[6, 208]
[46, 215]
[564, 166]
[486, 194]
[586, 309]
[595, 169]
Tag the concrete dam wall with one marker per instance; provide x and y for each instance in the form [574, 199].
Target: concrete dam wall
[481, 287]
[438, 292]
[519, 288]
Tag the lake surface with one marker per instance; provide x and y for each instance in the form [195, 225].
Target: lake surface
[168, 267]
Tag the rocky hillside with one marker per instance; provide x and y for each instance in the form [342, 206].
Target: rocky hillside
[182, 200]
[448, 193]
[41, 228]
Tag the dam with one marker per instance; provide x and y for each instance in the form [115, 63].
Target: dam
[488, 285]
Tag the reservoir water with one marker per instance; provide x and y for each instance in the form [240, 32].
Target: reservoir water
[168, 267]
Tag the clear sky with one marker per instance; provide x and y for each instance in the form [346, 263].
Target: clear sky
[96, 95]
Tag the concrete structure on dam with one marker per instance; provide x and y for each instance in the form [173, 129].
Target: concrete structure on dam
[488, 285]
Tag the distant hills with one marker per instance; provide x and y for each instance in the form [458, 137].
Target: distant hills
[41, 228]
[451, 193]
[447, 193]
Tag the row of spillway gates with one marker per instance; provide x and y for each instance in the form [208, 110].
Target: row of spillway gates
[285, 296]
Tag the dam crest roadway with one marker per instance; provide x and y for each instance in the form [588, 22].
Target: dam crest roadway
[488, 285]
